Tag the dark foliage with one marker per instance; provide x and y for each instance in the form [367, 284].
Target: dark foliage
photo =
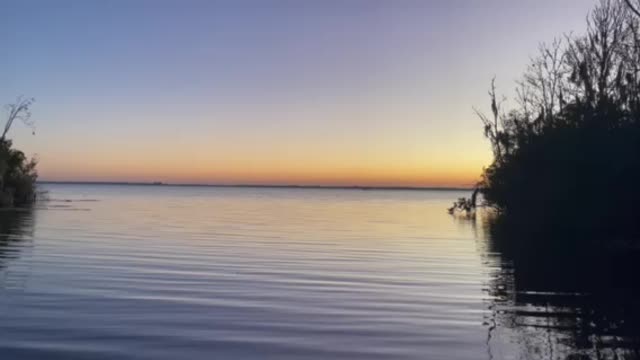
[18, 176]
[17, 173]
[568, 156]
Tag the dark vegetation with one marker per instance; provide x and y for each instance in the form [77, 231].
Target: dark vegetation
[564, 194]
[567, 152]
[17, 173]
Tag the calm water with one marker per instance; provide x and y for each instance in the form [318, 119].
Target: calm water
[146, 272]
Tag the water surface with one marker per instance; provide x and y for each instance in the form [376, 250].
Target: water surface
[163, 272]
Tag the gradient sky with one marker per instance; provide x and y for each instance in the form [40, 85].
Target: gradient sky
[291, 92]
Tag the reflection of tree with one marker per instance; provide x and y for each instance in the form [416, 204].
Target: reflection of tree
[558, 303]
[15, 227]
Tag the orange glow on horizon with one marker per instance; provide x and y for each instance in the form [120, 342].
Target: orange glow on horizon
[381, 166]
[280, 175]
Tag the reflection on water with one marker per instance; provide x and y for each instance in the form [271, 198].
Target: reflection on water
[16, 229]
[555, 303]
[162, 272]
[16, 233]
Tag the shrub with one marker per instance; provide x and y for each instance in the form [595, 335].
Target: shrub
[17, 176]
[569, 154]
[17, 173]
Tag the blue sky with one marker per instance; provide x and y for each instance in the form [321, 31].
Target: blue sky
[332, 92]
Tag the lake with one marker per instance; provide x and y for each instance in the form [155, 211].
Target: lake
[186, 272]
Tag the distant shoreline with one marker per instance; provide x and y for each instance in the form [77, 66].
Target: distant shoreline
[268, 186]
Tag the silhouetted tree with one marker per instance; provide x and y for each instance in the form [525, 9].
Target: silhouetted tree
[17, 173]
[18, 111]
[569, 153]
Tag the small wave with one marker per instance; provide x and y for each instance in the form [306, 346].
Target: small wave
[62, 207]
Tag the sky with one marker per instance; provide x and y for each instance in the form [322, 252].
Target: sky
[352, 92]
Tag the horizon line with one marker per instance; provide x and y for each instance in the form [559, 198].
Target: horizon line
[291, 186]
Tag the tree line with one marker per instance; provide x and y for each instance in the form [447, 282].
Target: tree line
[568, 153]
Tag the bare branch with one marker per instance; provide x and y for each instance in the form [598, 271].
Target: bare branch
[18, 111]
[636, 10]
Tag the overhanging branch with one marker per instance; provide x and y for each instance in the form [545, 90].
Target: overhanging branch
[632, 7]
